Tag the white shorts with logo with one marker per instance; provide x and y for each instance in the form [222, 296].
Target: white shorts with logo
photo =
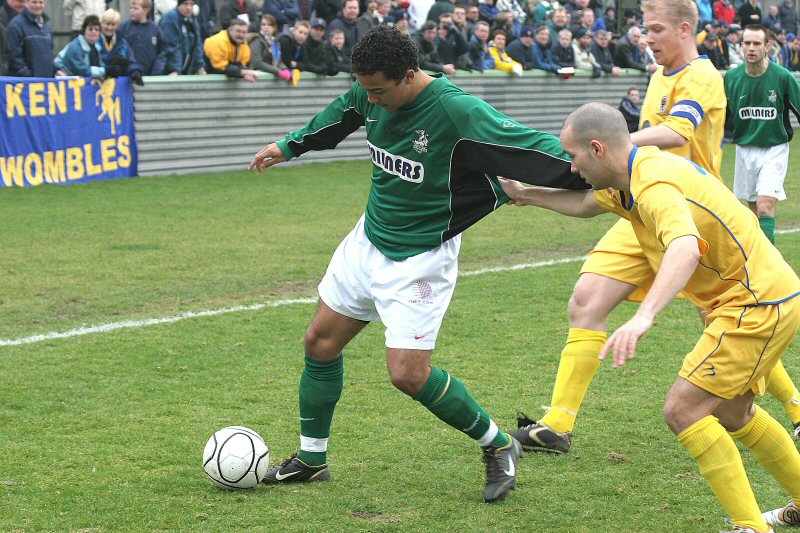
[760, 172]
[410, 297]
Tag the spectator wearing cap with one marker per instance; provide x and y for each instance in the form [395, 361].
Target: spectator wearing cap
[228, 53]
[286, 12]
[790, 54]
[601, 50]
[750, 13]
[265, 54]
[735, 54]
[541, 51]
[313, 50]
[521, 50]
[347, 22]
[30, 42]
[403, 22]
[772, 20]
[788, 15]
[712, 27]
[710, 49]
[724, 10]
[83, 55]
[479, 54]
[582, 50]
[502, 61]
[183, 40]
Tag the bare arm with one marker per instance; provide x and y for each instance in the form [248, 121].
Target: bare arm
[680, 261]
[571, 203]
[660, 136]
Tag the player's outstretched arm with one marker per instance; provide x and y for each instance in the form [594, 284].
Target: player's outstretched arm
[266, 157]
[660, 136]
[571, 203]
[680, 261]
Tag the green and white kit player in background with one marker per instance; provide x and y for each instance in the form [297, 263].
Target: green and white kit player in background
[436, 152]
[760, 95]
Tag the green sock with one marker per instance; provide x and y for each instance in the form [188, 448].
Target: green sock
[320, 388]
[768, 227]
[448, 399]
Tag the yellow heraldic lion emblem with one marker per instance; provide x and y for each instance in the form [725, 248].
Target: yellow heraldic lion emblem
[110, 107]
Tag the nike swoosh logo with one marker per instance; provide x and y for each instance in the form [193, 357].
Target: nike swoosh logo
[511, 469]
[418, 337]
[281, 477]
[372, 119]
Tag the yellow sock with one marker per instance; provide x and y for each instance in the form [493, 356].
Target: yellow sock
[578, 365]
[774, 449]
[721, 466]
[781, 387]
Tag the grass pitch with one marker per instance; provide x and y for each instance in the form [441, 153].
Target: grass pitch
[105, 431]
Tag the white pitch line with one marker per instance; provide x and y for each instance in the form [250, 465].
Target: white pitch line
[129, 324]
[782, 231]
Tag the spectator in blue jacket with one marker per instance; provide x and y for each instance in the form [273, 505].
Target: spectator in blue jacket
[479, 47]
[286, 12]
[30, 42]
[183, 40]
[521, 50]
[145, 39]
[117, 55]
[541, 48]
[83, 55]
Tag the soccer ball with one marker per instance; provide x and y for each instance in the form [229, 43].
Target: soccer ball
[236, 457]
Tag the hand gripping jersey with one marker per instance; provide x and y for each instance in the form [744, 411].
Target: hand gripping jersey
[760, 105]
[691, 102]
[672, 197]
[435, 162]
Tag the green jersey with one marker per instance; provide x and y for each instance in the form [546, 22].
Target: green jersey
[435, 162]
[760, 105]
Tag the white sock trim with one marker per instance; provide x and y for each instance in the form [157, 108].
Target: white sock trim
[490, 434]
[310, 444]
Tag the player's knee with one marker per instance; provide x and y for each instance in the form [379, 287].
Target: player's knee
[676, 416]
[317, 346]
[407, 379]
[583, 312]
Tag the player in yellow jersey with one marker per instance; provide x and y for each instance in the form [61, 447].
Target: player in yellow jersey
[684, 113]
[697, 238]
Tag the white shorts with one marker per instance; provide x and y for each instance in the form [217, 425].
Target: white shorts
[410, 297]
[760, 172]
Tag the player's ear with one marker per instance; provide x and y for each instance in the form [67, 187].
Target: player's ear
[409, 77]
[596, 147]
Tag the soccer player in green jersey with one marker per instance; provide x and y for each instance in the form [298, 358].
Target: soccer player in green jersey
[760, 96]
[436, 154]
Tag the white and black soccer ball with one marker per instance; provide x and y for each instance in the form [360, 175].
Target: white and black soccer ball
[236, 457]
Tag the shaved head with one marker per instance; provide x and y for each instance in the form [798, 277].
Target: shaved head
[599, 121]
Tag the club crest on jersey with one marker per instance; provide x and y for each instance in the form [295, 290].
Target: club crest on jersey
[396, 165]
[421, 144]
[663, 107]
[772, 96]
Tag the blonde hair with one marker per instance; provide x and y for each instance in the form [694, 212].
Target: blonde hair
[677, 11]
[110, 16]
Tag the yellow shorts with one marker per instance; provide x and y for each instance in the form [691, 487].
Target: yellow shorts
[739, 347]
[619, 255]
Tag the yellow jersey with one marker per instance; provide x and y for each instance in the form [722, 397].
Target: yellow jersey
[690, 101]
[671, 197]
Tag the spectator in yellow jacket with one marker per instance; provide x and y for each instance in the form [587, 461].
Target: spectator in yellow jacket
[228, 53]
[502, 61]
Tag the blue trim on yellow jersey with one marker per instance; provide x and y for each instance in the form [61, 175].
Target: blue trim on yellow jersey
[685, 109]
[719, 343]
[631, 157]
[683, 67]
[746, 283]
[780, 301]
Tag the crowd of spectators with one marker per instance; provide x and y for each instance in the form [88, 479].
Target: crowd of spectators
[283, 38]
